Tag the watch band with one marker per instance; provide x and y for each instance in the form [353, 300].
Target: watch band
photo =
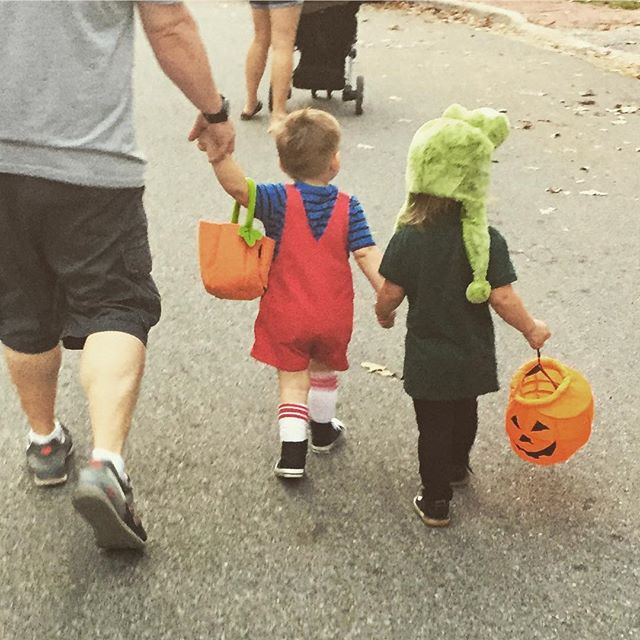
[221, 116]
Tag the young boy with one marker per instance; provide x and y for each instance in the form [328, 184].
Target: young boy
[305, 319]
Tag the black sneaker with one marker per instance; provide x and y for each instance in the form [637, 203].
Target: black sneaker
[326, 435]
[105, 501]
[292, 460]
[434, 513]
[49, 462]
[459, 475]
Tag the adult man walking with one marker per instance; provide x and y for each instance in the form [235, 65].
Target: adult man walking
[74, 255]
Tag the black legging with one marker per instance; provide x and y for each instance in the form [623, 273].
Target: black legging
[447, 431]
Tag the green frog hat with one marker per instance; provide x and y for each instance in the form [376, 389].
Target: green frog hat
[450, 157]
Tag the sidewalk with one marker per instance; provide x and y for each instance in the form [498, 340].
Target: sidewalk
[606, 36]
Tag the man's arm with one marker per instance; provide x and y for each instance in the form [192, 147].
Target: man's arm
[509, 306]
[176, 43]
[390, 295]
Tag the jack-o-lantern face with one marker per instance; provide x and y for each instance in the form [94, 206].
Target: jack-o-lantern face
[549, 413]
[531, 441]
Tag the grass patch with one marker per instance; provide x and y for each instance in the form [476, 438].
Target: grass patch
[616, 4]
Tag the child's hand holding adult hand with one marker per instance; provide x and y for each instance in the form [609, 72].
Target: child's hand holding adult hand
[538, 334]
[386, 322]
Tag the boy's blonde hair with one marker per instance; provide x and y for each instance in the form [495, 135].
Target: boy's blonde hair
[307, 140]
[423, 209]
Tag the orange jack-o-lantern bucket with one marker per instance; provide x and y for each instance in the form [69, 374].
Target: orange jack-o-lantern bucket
[550, 411]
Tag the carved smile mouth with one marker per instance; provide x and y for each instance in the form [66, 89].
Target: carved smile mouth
[538, 454]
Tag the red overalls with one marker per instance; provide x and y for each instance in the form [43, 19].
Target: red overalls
[307, 311]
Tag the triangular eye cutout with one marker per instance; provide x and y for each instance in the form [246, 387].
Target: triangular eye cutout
[514, 419]
[538, 426]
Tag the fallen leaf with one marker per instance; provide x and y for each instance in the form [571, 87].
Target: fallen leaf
[395, 27]
[526, 124]
[593, 192]
[556, 135]
[627, 108]
[553, 189]
[588, 93]
[585, 168]
[379, 369]
[546, 212]
[587, 102]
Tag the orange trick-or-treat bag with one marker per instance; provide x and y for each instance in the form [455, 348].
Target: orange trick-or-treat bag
[550, 411]
[235, 258]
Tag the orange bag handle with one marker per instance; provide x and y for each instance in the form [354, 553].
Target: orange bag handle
[246, 231]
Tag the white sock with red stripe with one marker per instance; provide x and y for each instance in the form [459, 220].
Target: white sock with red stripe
[323, 396]
[293, 420]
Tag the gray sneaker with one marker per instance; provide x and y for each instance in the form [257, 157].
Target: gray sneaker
[105, 501]
[49, 462]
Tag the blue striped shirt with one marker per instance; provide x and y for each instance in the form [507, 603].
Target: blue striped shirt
[271, 202]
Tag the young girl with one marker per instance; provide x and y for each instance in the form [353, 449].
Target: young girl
[443, 242]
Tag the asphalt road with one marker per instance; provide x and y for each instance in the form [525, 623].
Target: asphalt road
[532, 552]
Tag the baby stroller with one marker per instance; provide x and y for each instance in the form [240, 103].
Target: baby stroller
[326, 39]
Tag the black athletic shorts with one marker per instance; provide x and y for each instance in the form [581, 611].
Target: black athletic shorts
[74, 260]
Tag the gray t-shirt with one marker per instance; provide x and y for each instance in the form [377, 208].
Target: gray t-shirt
[66, 104]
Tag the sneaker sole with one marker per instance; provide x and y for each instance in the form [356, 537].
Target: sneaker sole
[328, 447]
[109, 529]
[288, 473]
[53, 482]
[430, 522]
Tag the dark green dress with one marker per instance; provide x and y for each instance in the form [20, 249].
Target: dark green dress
[449, 348]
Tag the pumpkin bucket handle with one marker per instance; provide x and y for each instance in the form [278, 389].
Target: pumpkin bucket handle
[246, 230]
[540, 369]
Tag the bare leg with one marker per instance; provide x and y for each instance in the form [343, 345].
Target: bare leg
[36, 379]
[294, 385]
[257, 56]
[284, 24]
[318, 367]
[111, 371]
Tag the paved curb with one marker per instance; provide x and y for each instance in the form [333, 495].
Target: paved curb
[620, 61]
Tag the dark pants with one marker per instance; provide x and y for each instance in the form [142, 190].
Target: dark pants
[447, 430]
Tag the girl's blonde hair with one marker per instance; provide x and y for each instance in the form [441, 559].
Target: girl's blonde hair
[423, 209]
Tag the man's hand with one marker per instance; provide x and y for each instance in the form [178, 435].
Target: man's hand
[538, 334]
[217, 140]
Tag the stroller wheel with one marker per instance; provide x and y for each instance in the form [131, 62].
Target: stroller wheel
[329, 94]
[314, 94]
[359, 94]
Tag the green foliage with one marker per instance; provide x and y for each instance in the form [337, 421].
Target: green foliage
[616, 4]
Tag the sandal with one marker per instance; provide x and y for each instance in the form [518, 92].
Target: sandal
[249, 116]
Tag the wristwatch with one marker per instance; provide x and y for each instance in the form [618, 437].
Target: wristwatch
[221, 116]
